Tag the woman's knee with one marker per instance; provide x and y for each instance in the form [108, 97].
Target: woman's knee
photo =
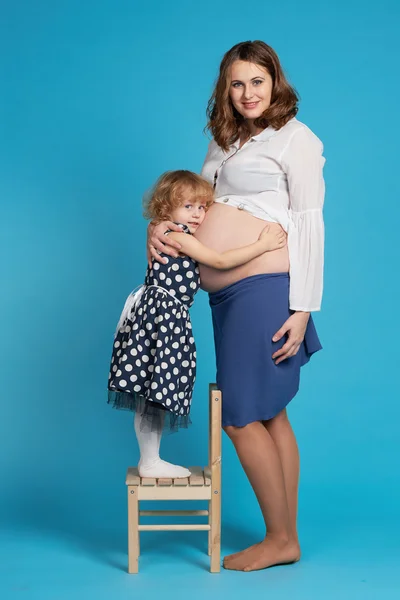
[234, 432]
[230, 430]
[279, 419]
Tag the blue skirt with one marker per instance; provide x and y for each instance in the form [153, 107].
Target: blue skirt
[246, 315]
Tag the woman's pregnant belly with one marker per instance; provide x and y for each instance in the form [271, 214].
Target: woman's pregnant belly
[226, 228]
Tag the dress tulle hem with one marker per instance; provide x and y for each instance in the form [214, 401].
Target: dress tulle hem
[155, 416]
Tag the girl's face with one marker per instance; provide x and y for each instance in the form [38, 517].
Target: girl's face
[250, 89]
[190, 213]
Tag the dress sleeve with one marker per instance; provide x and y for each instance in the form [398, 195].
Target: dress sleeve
[303, 163]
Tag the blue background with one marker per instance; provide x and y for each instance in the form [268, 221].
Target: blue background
[97, 99]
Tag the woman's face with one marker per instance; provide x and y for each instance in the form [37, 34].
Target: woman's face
[250, 89]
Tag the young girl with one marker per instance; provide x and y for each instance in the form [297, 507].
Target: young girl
[153, 365]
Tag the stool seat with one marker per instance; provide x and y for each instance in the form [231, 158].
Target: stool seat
[195, 487]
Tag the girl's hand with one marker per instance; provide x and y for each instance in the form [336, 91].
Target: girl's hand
[272, 240]
[295, 327]
[157, 241]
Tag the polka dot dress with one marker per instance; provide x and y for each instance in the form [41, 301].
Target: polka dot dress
[153, 364]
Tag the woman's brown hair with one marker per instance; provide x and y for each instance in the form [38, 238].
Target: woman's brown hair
[171, 189]
[224, 121]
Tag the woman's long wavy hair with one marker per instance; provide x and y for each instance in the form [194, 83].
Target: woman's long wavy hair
[224, 121]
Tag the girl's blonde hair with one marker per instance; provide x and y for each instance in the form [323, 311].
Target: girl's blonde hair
[171, 190]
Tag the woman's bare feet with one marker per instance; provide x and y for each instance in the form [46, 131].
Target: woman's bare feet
[231, 557]
[271, 551]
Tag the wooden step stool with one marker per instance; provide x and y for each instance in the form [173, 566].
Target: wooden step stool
[203, 484]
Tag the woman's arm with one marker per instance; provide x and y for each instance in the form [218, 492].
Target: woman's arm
[303, 163]
[231, 258]
[157, 241]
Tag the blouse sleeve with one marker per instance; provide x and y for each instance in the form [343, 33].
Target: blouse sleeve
[205, 170]
[303, 163]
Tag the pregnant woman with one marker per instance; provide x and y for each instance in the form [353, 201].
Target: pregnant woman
[266, 166]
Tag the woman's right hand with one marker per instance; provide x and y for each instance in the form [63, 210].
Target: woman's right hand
[272, 240]
[158, 242]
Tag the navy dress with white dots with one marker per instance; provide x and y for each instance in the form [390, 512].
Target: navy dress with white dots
[153, 364]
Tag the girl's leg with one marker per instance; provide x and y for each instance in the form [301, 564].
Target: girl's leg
[150, 463]
[260, 459]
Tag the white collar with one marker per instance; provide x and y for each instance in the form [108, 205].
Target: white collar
[264, 135]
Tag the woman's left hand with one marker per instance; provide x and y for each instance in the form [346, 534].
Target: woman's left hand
[295, 327]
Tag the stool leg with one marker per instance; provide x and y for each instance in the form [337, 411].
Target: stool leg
[215, 532]
[133, 531]
[209, 522]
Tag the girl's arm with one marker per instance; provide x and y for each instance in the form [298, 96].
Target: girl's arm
[231, 258]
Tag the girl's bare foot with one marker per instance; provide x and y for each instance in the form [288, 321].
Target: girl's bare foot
[271, 551]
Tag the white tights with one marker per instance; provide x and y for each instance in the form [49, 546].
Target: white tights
[150, 463]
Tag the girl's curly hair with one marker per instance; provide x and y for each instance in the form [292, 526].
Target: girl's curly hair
[171, 190]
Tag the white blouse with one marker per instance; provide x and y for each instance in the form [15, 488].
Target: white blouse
[277, 176]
